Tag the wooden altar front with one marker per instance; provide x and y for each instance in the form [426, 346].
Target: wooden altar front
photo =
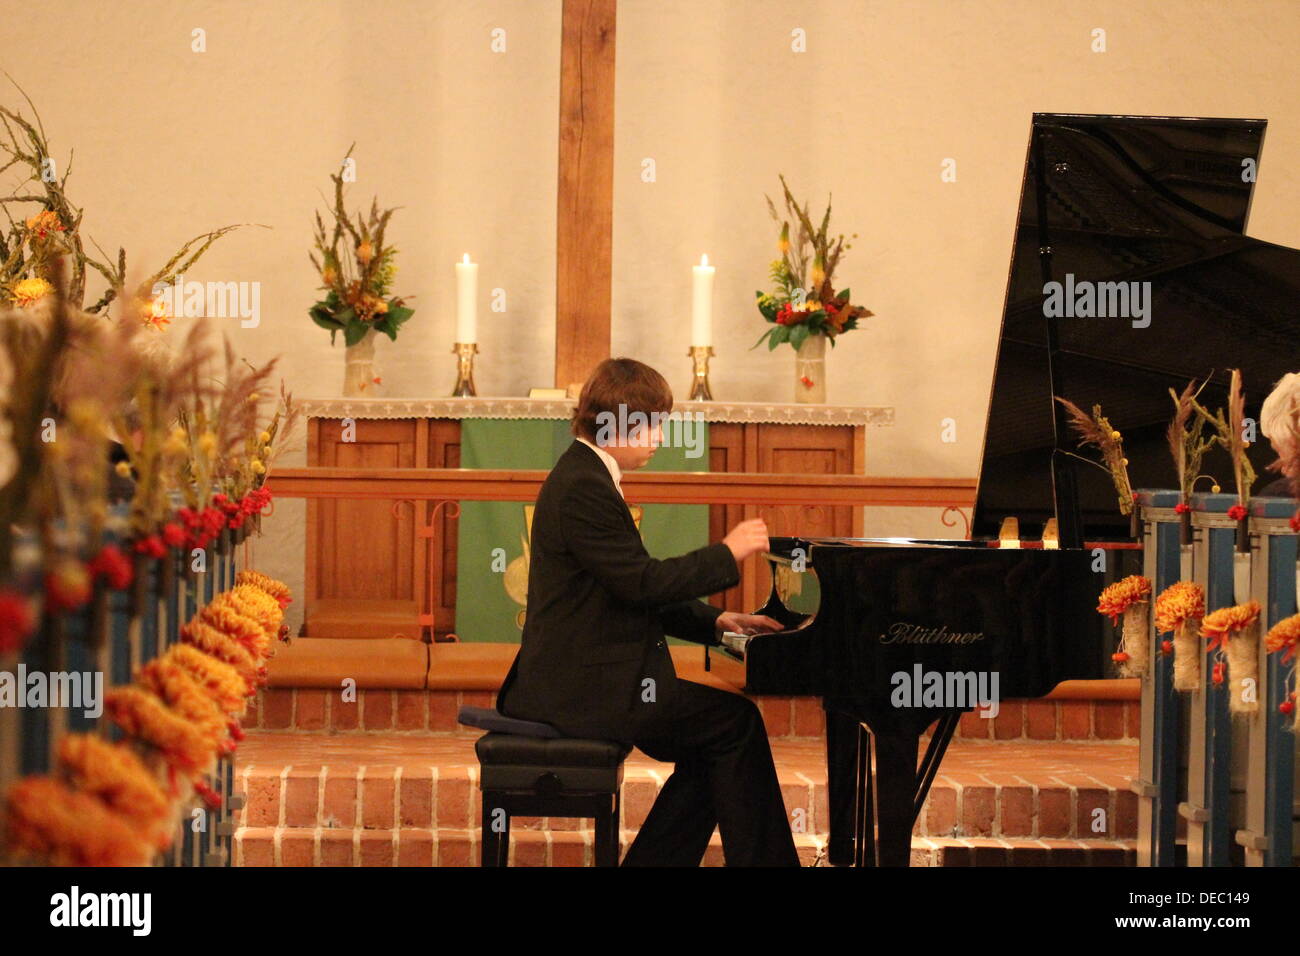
[377, 568]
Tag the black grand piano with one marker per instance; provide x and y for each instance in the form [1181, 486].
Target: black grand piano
[900, 637]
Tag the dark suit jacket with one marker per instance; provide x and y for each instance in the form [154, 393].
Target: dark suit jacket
[599, 607]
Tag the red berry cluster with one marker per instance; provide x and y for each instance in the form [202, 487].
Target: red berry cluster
[16, 621]
[196, 529]
[112, 566]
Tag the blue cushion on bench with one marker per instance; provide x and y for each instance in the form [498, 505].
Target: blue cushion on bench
[488, 718]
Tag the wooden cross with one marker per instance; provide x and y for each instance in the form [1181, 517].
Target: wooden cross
[585, 214]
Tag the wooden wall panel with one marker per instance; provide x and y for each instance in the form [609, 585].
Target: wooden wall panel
[397, 564]
[385, 567]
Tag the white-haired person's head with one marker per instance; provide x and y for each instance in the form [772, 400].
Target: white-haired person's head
[1280, 417]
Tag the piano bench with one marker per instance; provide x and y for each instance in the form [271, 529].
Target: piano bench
[530, 769]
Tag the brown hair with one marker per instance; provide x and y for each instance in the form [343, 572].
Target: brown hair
[615, 382]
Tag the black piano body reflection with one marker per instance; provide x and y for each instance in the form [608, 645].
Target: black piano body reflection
[1154, 204]
[900, 636]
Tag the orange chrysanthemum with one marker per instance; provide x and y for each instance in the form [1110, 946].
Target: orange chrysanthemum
[1180, 602]
[1284, 635]
[257, 604]
[1122, 595]
[56, 824]
[222, 615]
[186, 698]
[211, 641]
[114, 774]
[144, 715]
[223, 683]
[1219, 625]
[277, 589]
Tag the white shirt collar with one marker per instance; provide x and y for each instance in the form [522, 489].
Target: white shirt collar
[614, 471]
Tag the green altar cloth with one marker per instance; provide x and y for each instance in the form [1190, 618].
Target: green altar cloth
[491, 560]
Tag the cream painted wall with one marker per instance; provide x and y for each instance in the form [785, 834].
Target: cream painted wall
[170, 142]
[887, 90]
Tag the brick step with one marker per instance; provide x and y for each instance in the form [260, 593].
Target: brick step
[976, 851]
[413, 846]
[1000, 790]
[417, 712]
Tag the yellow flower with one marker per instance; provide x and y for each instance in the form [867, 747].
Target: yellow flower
[365, 252]
[257, 467]
[381, 307]
[123, 468]
[43, 224]
[155, 315]
[29, 291]
[818, 272]
[252, 397]
[176, 440]
[85, 414]
[264, 438]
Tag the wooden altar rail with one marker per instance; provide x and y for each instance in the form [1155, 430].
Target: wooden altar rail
[665, 487]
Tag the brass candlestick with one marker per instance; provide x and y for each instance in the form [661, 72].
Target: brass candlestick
[464, 352]
[700, 391]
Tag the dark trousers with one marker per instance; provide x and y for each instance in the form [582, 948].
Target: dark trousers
[724, 778]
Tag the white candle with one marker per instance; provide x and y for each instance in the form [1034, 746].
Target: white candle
[702, 304]
[466, 294]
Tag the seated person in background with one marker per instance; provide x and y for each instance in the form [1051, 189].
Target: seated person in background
[1278, 425]
[593, 661]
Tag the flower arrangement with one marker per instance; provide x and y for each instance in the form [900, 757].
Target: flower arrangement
[56, 824]
[1130, 599]
[215, 643]
[1187, 441]
[1229, 432]
[1179, 609]
[1283, 638]
[1095, 429]
[119, 778]
[804, 301]
[35, 244]
[276, 589]
[1232, 636]
[358, 278]
[223, 683]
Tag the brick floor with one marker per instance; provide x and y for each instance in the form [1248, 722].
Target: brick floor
[396, 799]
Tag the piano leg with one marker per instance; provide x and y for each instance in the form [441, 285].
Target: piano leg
[841, 783]
[890, 789]
[894, 779]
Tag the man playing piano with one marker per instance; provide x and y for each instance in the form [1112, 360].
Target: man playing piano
[593, 661]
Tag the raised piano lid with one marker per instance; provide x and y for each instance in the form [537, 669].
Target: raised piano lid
[1132, 199]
